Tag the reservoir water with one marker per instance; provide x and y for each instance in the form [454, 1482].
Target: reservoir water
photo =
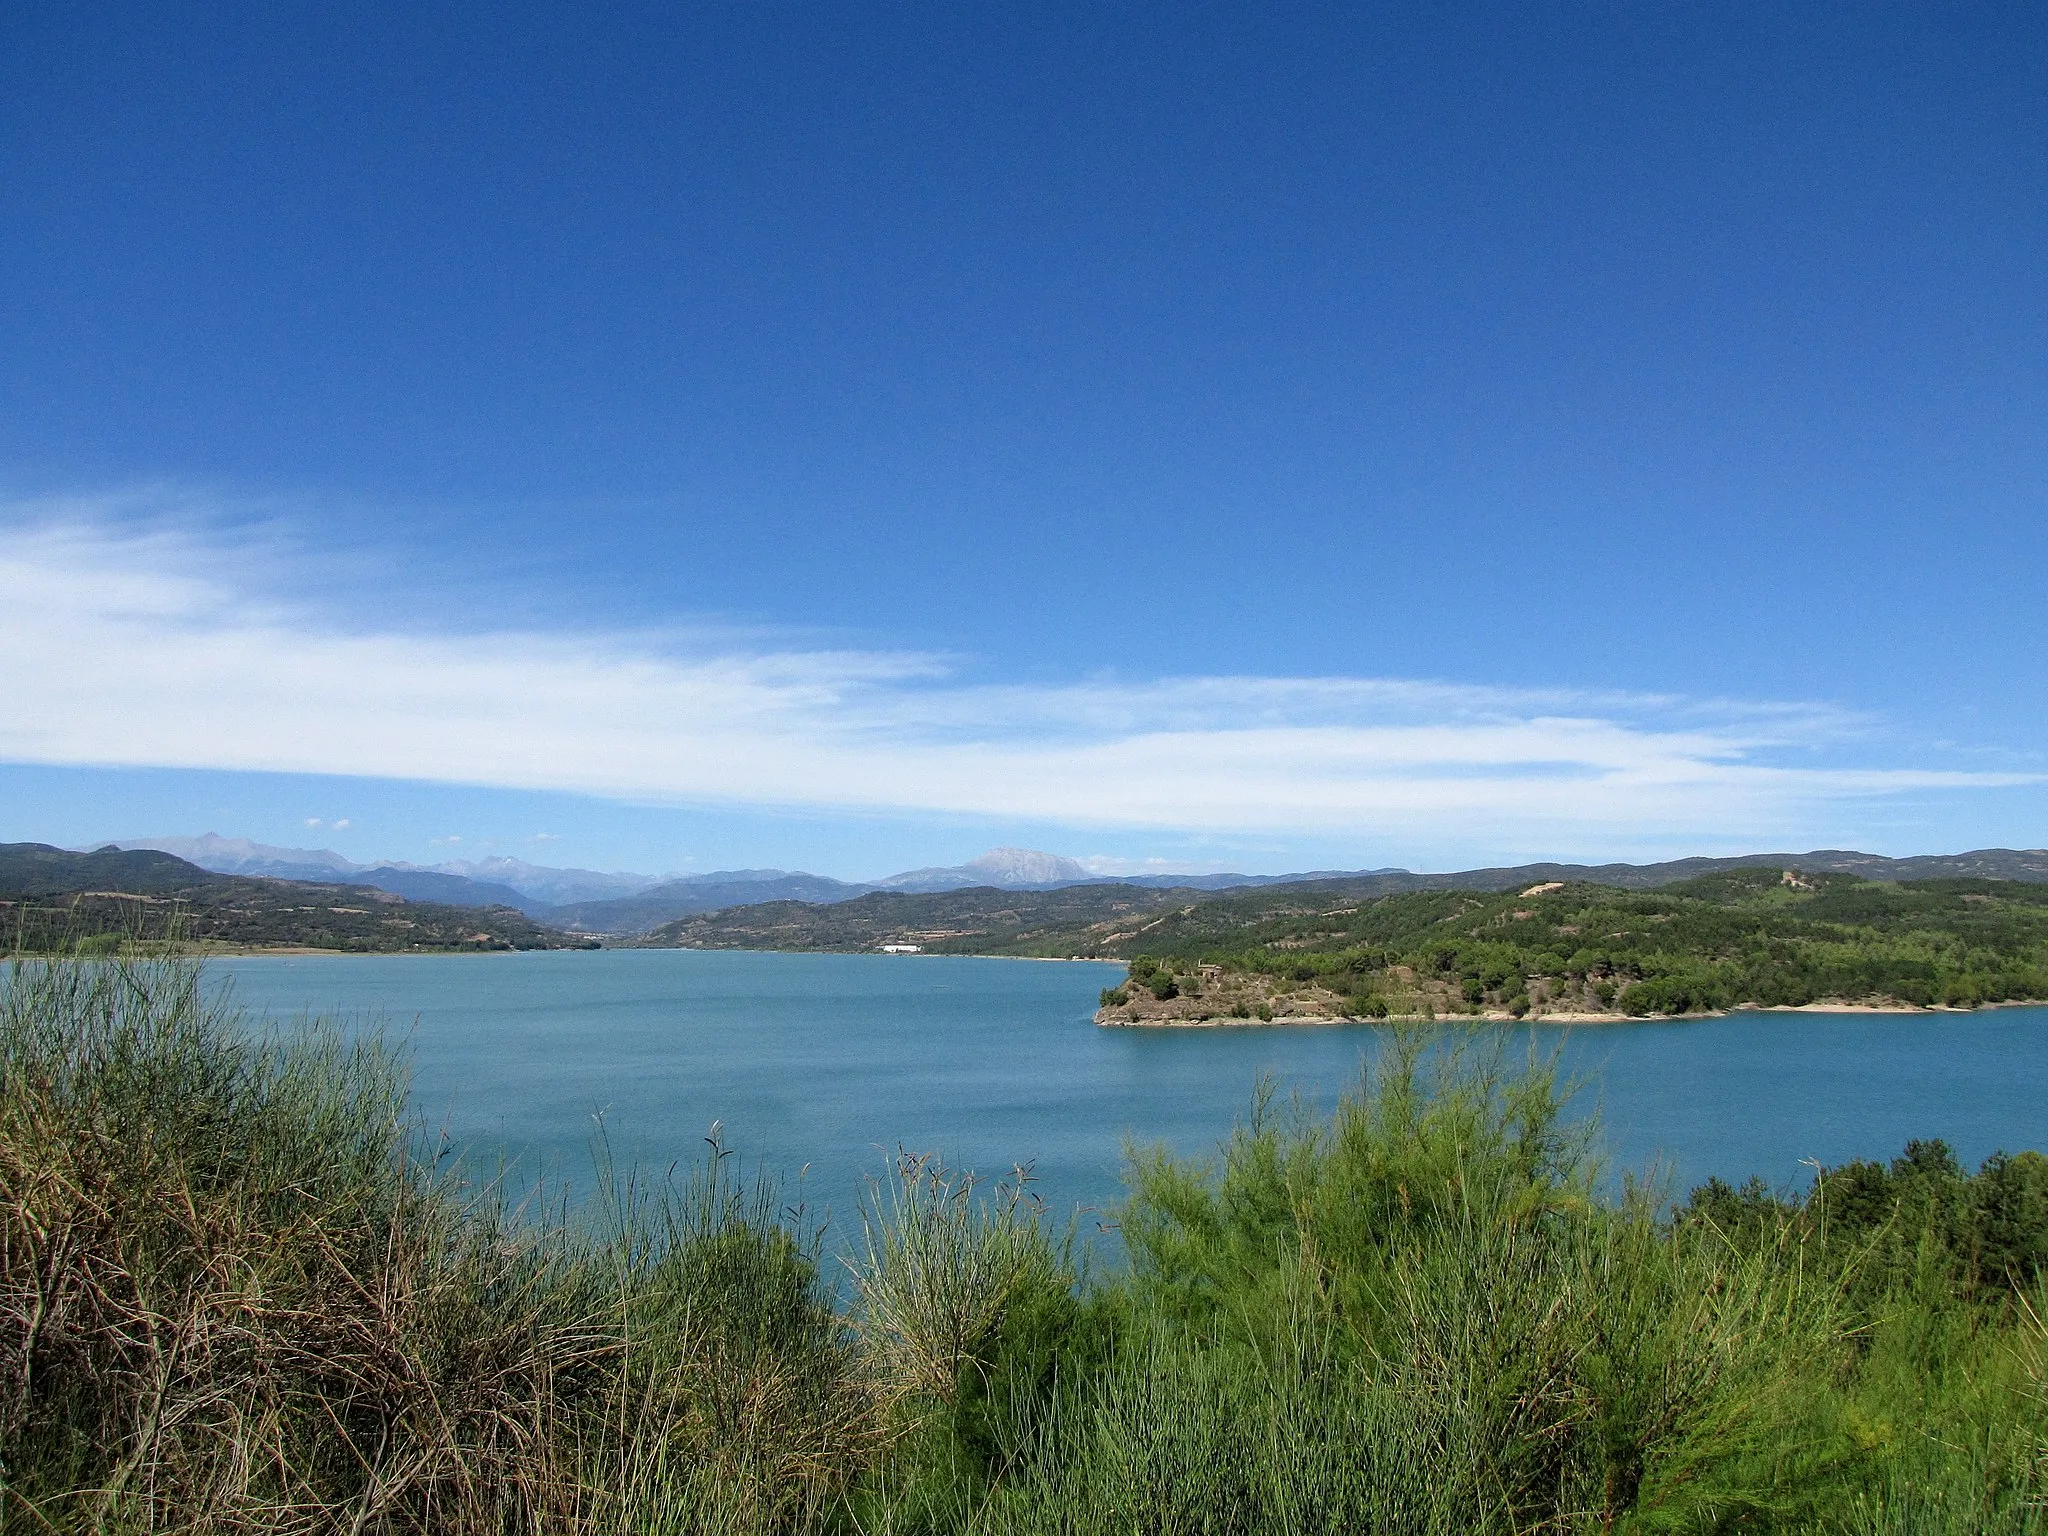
[835, 1061]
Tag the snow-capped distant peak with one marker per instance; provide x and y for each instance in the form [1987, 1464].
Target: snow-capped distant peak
[1026, 866]
[1009, 868]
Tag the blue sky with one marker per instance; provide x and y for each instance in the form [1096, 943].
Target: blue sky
[846, 437]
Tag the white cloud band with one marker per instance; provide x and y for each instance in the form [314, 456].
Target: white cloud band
[126, 649]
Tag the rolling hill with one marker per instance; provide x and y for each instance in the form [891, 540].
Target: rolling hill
[52, 898]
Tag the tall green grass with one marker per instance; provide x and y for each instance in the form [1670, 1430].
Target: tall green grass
[232, 1298]
[237, 1295]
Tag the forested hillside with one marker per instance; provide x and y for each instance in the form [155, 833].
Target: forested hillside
[53, 899]
[1764, 937]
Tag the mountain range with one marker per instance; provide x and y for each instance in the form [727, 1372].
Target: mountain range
[594, 901]
[534, 889]
[617, 902]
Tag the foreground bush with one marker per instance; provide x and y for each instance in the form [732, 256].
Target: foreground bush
[228, 1300]
[234, 1298]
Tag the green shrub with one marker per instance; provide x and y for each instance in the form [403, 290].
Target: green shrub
[1529, 1357]
[942, 1264]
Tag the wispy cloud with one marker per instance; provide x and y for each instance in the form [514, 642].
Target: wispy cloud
[160, 649]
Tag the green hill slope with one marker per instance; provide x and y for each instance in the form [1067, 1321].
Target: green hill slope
[51, 898]
[980, 921]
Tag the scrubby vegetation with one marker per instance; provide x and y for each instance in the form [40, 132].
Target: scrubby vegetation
[1757, 936]
[238, 1293]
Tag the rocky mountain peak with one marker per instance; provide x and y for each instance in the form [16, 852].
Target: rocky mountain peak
[1025, 866]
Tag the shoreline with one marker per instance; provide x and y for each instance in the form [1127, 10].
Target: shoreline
[244, 953]
[254, 951]
[1295, 1021]
[303, 951]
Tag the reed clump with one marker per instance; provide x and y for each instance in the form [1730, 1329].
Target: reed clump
[232, 1299]
[236, 1296]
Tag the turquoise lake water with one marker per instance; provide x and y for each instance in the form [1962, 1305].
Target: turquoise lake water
[836, 1060]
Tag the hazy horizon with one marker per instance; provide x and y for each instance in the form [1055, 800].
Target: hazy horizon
[480, 865]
